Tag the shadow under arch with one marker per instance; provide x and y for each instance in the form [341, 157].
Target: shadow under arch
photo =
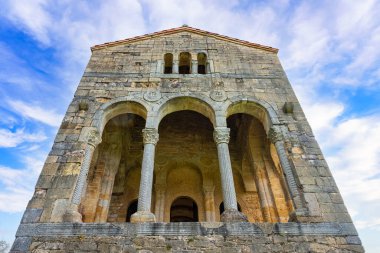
[189, 102]
[116, 107]
[184, 209]
[259, 109]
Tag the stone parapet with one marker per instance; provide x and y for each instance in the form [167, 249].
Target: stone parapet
[157, 237]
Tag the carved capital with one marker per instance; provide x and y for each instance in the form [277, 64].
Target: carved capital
[275, 134]
[94, 138]
[150, 135]
[221, 135]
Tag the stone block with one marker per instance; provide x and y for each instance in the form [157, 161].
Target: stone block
[31, 215]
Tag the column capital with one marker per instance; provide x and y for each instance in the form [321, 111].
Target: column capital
[94, 138]
[150, 135]
[221, 135]
[275, 134]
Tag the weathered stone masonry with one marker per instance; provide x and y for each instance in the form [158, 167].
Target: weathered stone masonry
[197, 139]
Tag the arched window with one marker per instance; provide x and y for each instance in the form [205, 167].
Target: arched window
[184, 209]
[132, 208]
[221, 207]
[184, 63]
[202, 63]
[168, 58]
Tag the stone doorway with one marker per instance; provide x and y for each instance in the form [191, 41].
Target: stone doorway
[184, 209]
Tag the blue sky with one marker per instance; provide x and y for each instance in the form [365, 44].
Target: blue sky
[329, 49]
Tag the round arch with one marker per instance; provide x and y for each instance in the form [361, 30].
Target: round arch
[117, 107]
[184, 209]
[198, 104]
[259, 109]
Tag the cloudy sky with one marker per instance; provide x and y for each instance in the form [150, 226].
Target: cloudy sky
[329, 49]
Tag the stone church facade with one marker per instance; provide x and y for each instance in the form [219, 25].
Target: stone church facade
[185, 141]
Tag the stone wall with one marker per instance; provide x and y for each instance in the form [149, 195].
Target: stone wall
[190, 237]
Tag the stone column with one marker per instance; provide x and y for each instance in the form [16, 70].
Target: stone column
[159, 208]
[194, 67]
[276, 137]
[143, 214]
[72, 214]
[208, 192]
[111, 168]
[263, 190]
[175, 67]
[231, 213]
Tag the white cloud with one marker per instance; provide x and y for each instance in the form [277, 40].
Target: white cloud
[17, 185]
[10, 139]
[31, 15]
[35, 112]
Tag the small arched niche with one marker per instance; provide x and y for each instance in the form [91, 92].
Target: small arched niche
[184, 209]
[184, 63]
[168, 59]
[202, 63]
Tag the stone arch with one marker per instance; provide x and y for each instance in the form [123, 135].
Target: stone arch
[259, 109]
[187, 211]
[119, 106]
[195, 103]
[193, 178]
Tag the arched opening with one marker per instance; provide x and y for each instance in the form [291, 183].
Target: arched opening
[114, 174]
[132, 208]
[186, 155]
[261, 182]
[184, 209]
[202, 63]
[168, 59]
[221, 208]
[187, 104]
[184, 63]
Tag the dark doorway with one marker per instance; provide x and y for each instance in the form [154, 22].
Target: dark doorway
[132, 208]
[184, 209]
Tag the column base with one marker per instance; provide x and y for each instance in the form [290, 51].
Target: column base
[143, 216]
[233, 215]
[72, 215]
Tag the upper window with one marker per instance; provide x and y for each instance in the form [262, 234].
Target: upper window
[202, 63]
[168, 58]
[184, 63]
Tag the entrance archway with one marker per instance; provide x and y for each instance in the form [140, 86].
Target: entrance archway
[184, 209]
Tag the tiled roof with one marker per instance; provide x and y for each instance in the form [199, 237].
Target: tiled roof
[185, 29]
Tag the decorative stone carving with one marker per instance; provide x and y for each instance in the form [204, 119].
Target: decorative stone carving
[94, 138]
[152, 96]
[275, 134]
[218, 95]
[150, 135]
[221, 135]
[288, 107]
[83, 105]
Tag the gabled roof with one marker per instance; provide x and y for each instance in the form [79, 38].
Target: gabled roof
[185, 28]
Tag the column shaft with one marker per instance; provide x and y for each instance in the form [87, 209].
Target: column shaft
[175, 67]
[72, 214]
[231, 213]
[194, 67]
[143, 214]
[228, 187]
[145, 191]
